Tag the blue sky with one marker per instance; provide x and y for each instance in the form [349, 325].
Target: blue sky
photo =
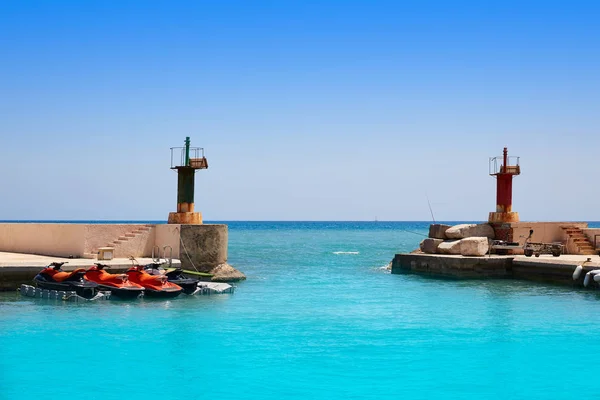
[307, 110]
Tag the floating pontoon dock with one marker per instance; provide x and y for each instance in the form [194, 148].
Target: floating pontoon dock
[17, 268]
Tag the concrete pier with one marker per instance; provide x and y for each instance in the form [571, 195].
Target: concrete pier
[199, 247]
[545, 268]
[17, 268]
[453, 266]
[557, 270]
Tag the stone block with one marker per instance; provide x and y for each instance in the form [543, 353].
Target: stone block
[430, 245]
[474, 246]
[470, 230]
[449, 247]
[438, 231]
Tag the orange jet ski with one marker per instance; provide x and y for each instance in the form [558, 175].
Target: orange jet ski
[118, 284]
[154, 285]
[54, 278]
[174, 275]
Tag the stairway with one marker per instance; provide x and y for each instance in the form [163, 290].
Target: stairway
[576, 237]
[123, 238]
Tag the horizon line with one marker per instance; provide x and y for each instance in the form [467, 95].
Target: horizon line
[255, 220]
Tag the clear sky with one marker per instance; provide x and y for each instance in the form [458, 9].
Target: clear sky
[307, 110]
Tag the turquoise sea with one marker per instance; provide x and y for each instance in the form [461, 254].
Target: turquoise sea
[318, 318]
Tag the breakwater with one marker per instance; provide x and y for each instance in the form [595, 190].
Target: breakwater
[559, 270]
[198, 247]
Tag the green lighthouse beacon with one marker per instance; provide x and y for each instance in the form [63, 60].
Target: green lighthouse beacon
[186, 160]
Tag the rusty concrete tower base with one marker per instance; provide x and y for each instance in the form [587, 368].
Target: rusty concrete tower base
[504, 176]
[499, 217]
[185, 218]
[186, 168]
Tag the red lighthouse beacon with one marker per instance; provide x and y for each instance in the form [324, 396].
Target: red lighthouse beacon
[509, 167]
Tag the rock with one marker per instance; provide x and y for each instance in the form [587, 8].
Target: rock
[450, 247]
[226, 273]
[474, 246]
[470, 230]
[438, 231]
[430, 245]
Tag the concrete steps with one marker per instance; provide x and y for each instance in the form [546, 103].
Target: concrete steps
[124, 238]
[580, 240]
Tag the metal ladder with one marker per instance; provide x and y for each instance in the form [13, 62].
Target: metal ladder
[156, 258]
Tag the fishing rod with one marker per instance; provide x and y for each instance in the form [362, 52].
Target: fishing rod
[430, 209]
[414, 233]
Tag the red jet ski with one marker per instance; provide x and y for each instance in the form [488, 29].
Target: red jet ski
[54, 278]
[118, 284]
[154, 285]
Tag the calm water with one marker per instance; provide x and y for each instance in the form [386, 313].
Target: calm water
[318, 318]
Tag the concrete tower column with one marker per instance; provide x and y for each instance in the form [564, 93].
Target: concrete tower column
[186, 166]
[504, 178]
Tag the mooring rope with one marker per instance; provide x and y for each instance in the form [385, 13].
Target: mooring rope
[186, 252]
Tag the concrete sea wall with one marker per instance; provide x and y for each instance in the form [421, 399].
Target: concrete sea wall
[203, 246]
[546, 232]
[60, 240]
[452, 266]
[547, 269]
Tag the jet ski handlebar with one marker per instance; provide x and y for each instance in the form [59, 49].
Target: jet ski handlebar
[57, 265]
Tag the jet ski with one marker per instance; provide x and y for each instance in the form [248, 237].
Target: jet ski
[154, 285]
[54, 278]
[174, 275]
[118, 284]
